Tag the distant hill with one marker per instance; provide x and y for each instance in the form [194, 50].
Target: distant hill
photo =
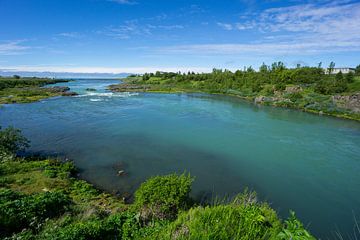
[62, 74]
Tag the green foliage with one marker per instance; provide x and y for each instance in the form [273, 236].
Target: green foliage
[294, 229]
[332, 85]
[357, 70]
[242, 219]
[12, 141]
[163, 196]
[350, 77]
[19, 211]
[23, 90]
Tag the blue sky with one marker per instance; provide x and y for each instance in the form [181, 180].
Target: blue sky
[148, 35]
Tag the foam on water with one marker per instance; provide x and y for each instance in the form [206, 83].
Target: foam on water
[108, 94]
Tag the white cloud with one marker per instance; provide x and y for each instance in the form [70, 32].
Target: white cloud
[225, 26]
[263, 49]
[128, 2]
[12, 48]
[69, 34]
[303, 29]
[134, 28]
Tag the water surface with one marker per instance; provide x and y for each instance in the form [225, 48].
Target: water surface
[294, 160]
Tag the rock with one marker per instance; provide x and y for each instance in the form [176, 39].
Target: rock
[259, 99]
[262, 99]
[125, 87]
[91, 89]
[293, 89]
[59, 89]
[351, 102]
[68, 94]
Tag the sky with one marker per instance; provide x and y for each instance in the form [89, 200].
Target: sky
[137, 36]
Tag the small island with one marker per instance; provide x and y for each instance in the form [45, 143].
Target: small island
[18, 89]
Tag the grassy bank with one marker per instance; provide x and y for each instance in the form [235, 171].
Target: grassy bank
[42, 198]
[307, 89]
[25, 90]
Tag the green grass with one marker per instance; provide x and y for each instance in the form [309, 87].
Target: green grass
[355, 86]
[26, 90]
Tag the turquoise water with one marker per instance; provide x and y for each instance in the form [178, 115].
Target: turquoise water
[294, 160]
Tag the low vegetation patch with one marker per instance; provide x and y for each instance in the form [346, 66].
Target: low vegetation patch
[24, 90]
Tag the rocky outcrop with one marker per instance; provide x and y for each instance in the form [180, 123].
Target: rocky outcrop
[263, 99]
[69, 94]
[129, 88]
[63, 91]
[293, 89]
[351, 102]
[59, 89]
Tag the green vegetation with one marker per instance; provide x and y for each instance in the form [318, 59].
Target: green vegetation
[24, 90]
[42, 199]
[310, 89]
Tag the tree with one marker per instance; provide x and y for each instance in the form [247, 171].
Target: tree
[16, 76]
[331, 67]
[12, 141]
[357, 70]
[339, 76]
[349, 77]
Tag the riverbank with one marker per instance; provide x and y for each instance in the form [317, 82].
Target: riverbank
[42, 198]
[304, 97]
[26, 90]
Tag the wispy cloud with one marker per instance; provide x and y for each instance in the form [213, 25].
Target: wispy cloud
[128, 2]
[263, 49]
[133, 28]
[328, 26]
[13, 48]
[225, 26]
[69, 34]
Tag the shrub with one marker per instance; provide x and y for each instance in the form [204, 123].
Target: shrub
[119, 226]
[242, 219]
[19, 211]
[163, 196]
[12, 141]
[294, 229]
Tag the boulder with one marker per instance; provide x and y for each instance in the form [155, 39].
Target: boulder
[59, 89]
[351, 102]
[91, 89]
[293, 89]
[69, 94]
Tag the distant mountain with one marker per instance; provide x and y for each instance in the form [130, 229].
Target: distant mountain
[62, 74]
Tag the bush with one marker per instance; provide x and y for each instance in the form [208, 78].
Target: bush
[119, 226]
[12, 141]
[243, 219]
[294, 230]
[19, 211]
[162, 197]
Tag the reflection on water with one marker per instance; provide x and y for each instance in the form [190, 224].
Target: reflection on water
[294, 160]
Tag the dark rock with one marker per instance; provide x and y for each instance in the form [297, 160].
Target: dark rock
[59, 89]
[91, 89]
[69, 94]
[129, 88]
